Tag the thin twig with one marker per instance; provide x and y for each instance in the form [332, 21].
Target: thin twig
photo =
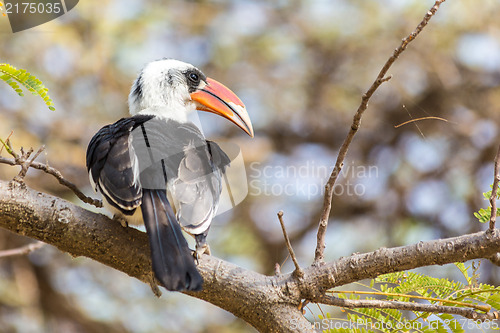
[494, 190]
[416, 125]
[8, 146]
[484, 308]
[298, 271]
[21, 251]
[418, 119]
[3, 143]
[410, 306]
[26, 161]
[329, 187]
[54, 172]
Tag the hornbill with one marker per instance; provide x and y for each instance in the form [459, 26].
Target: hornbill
[157, 167]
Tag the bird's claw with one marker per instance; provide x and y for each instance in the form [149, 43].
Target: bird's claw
[123, 221]
[200, 250]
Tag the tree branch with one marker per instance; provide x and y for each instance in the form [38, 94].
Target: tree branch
[21, 251]
[382, 261]
[261, 301]
[329, 187]
[298, 270]
[269, 303]
[409, 306]
[494, 190]
[51, 171]
[495, 259]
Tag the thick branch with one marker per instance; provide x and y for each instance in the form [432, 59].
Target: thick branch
[269, 303]
[356, 121]
[370, 265]
[255, 298]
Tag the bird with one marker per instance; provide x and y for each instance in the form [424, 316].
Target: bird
[156, 167]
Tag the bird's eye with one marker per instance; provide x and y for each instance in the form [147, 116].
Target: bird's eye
[194, 77]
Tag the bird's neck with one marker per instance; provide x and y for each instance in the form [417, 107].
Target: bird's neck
[169, 104]
[176, 113]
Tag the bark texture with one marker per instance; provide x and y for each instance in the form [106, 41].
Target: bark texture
[268, 303]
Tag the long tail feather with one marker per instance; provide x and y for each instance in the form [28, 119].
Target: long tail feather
[173, 263]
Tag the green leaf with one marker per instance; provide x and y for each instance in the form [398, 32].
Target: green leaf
[494, 300]
[463, 269]
[12, 76]
[438, 291]
[483, 215]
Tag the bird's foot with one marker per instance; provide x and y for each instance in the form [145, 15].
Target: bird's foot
[123, 221]
[200, 250]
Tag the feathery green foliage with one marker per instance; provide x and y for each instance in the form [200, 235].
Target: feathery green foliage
[13, 77]
[410, 287]
[484, 214]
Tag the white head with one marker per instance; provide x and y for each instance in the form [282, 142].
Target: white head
[174, 89]
[166, 83]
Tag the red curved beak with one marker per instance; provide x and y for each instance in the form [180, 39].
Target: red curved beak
[219, 99]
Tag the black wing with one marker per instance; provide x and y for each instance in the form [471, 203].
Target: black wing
[113, 166]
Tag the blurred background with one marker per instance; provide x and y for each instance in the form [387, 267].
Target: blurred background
[301, 68]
